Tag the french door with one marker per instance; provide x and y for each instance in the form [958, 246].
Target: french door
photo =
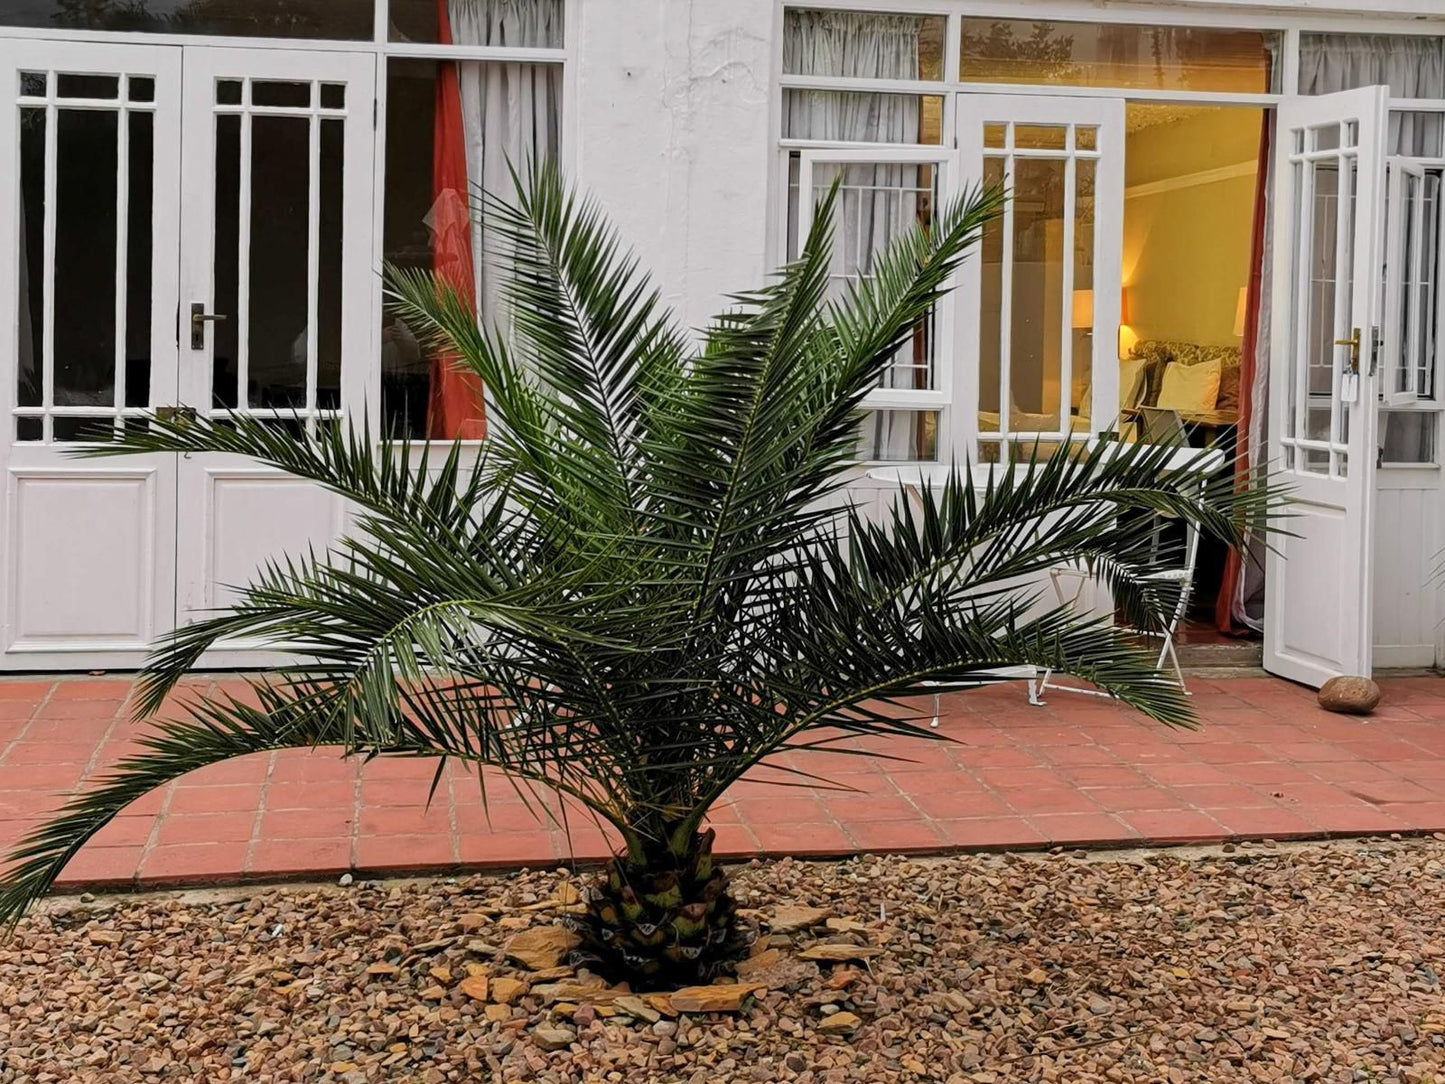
[1328, 254]
[184, 227]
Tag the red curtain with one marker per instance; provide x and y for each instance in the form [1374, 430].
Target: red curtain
[455, 409]
[1248, 361]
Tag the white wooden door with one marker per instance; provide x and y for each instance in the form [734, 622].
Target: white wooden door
[276, 298]
[89, 171]
[1042, 296]
[1328, 255]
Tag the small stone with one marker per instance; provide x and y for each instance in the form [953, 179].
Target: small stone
[475, 987]
[497, 1013]
[636, 1007]
[103, 937]
[382, 969]
[722, 997]
[345, 880]
[507, 990]
[839, 1023]
[665, 1028]
[793, 919]
[442, 973]
[1349, 695]
[542, 947]
[837, 952]
[843, 977]
[549, 1038]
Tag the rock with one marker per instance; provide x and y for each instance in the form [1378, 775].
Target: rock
[843, 977]
[382, 969]
[345, 880]
[1349, 695]
[567, 894]
[434, 993]
[552, 992]
[442, 973]
[839, 1023]
[773, 969]
[793, 919]
[722, 997]
[103, 937]
[845, 925]
[635, 1006]
[471, 921]
[584, 1015]
[507, 990]
[542, 947]
[497, 1013]
[665, 1028]
[836, 952]
[475, 987]
[549, 1038]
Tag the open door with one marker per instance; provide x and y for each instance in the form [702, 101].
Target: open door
[1328, 257]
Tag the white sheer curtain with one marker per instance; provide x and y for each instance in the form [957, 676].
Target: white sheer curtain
[877, 201]
[1412, 67]
[511, 113]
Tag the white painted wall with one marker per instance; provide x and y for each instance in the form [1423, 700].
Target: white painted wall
[672, 134]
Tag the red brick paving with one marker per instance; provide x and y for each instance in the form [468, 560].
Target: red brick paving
[1080, 772]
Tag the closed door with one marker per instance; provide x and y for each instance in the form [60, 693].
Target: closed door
[151, 183]
[90, 141]
[276, 289]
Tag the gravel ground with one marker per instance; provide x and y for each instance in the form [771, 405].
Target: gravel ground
[1311, 962]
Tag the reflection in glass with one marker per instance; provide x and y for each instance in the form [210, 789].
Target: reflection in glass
[521, 24]
[1036, 312]
[277, 324]
[1105, 55]
[85, 257]
[863, 44]
[350, 20]
[29, 389]
[225, 334]
[141, 195]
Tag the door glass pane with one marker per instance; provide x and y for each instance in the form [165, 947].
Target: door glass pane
[225, 334]
[990, 317]
[1081, 333]
[85, 257]
[898, 436]
[1103, 55]
[1321, 322]
[529, 24]
[278, 289]
[351, 20]
[138, 260]
[32, 257]
[328, 283]
[1036, 321]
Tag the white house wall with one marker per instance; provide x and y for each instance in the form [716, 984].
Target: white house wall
[673, 134]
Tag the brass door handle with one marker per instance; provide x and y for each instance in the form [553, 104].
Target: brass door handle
[1353, 342]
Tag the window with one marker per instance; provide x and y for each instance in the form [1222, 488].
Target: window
[1125, 56]
[337, 19]
[454, 128]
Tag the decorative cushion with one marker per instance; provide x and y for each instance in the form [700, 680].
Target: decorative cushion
[1132, 379]
[1228, 389]
[1190, 387]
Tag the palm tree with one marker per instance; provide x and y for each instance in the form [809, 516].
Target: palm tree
[647, 586]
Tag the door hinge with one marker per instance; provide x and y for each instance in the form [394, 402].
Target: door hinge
[176, 414]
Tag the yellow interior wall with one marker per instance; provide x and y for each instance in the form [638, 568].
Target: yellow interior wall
[1186, 249]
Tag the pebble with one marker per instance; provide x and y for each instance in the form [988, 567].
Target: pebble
[1319, 963]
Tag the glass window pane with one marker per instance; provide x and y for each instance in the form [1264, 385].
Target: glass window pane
[279, 235]
[85, 239]
[894, 436]
[68, 85]
[863, 44]
[328, 286]
[990, 317]
[351, 20]
[1106, 55]
[138, 260]
[225, 334]
[1081, 333]
[1408, 436]
[518, 24]
[270, 92]
[426, 220]
[32, 257]
[861, 117]
[1036, 310]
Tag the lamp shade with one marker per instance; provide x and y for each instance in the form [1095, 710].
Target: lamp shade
[1240, 308]
[1083, 308]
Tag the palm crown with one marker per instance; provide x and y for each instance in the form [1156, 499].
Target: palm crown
[647, 585]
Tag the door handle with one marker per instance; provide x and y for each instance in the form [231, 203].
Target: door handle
[199, 317]
[1353, 342]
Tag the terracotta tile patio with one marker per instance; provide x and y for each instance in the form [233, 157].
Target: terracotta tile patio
[1081, 771]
